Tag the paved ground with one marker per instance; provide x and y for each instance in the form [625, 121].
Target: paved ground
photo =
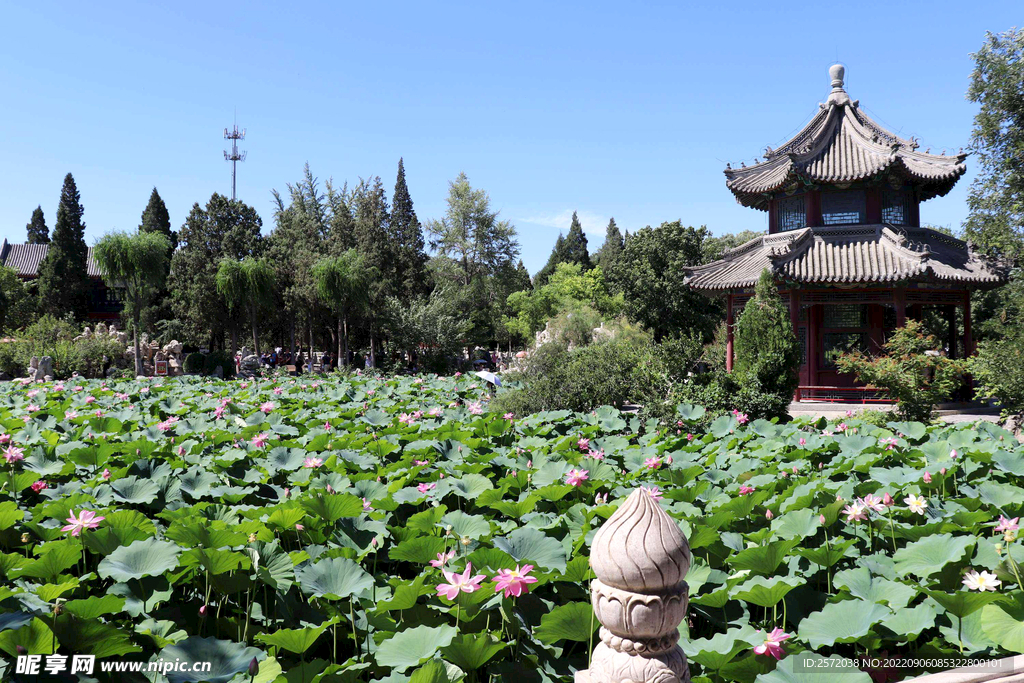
[950, 412]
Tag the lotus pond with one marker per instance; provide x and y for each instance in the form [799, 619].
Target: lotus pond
[393, 529]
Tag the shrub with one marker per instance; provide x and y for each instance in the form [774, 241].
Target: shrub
[767, 351]
[912, 370]
[194, 364]
[10, 359]
[216, 359]
[999, 369]
[95, 354]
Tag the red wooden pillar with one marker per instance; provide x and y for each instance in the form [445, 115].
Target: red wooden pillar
[794, 318]
[951, 322]
[899, 297]
[968, 338]
[813, 322]
[728, 335]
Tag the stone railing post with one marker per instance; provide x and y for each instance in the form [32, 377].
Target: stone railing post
[640, 558]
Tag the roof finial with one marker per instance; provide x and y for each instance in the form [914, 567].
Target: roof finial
[836, 72]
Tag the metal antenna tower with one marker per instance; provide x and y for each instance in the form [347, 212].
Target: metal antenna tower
[234, 156]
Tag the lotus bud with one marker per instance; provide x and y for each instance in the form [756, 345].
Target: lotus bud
[768, 515]
[668, 459]
[300, 527]
[254, 668]
[821, 518]
[887, 500]
[942, 471]
[448, 530]
[952, 454]
[927, 478]
[795, 470]
[20, 649]
[784, 475]
[374, 542]
[820, 465]
[529, 464]
[202, 611]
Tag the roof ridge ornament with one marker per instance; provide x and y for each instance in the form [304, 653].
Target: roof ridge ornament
[837, 72]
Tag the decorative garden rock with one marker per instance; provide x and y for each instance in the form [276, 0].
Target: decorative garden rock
[640, 597]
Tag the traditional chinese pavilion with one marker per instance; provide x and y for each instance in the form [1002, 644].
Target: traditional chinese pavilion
[845, 241]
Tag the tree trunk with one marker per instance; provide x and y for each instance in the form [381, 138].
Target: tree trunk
[234, 341]
[339, 342]
[255, 333]
[138, 349]
[309, 358]
[373, 354]
[345, 336]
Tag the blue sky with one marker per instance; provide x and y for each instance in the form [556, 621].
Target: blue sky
[618, 109]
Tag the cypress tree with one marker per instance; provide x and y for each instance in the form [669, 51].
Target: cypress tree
[557, 253]
[63, 275]
[411, 258]
[609, 252]
[576, 245]
[156, 219]
[38, 233]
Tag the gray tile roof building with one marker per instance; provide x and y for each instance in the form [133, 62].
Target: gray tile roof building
[25, 259]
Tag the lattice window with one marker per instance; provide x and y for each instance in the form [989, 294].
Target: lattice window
[837, 343]
[896, 207]
[845, 207]
[845, 315]
[791, 213]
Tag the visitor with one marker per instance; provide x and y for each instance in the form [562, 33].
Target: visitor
[298, 361]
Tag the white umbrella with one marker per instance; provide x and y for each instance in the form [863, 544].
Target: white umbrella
[489, 377]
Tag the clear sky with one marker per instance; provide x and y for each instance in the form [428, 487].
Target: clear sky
[616, 109]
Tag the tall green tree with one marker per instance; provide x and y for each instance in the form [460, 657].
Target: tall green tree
[19, 298]
[570, 249]
[411, 258]
[341, 283]
[996, 198]
[651, 274]
[63, 274]
[471, 246]
[767, 351]
[375, 240]
[135, 264]
[156, 220]
[37, 231]
[223, 228]
[608, 254]
[247, 284]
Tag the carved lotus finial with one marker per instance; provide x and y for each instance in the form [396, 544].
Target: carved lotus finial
[640, 548]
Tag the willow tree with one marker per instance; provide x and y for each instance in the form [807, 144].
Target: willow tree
[342, 284]
[248, 284]
[136, 264]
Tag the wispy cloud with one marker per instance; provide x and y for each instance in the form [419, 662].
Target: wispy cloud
[593, 223]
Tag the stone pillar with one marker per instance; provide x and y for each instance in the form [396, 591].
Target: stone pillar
[640, 558]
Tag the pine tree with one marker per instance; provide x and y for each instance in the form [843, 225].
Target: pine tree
[63, 275]
[576, 245]
[557, 253]
[38, 233]
[156, 219]
[411, 259]
[375, 242]
[608, 254]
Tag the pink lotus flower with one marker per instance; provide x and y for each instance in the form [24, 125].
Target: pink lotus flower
[106, 474]
[312, 462]
[689, 437]
[873, 502]
[327, 426]
[596, 455]
[742, 418]
[458, 374]
[39, 486]
[772, 645]
[267, 408]
[653, 492]
[514, 582]
[475, 408]
[423, 488]
[421, 462]
[5, 438]
[652, 463]
[841, 427]
[278, 391]
[260, 440]
[435, 411]
[442, 559]
[459, 582]
[90, 399]
[32, 408]
[583, 443]
[855, 512]
[202, 610]
[366, 505]
[406, 419]
[600, 498]
[887, 500]
[745, 490]
[86, 519]
[300, 527]
[952, 453]
[13, 454]
[508, 416]
[1006, 524]
[167, 424]
[576, 477]
[219, 412]
[927, 478]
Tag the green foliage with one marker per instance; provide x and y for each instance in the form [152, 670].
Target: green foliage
[341, 284]
[569, 249]
[434, 325]
[651, 274]
[715, 247]
[996, 198]
[999, 370]
[247, 284]
[569, 287]
[97, 353]
[223, 229]
[608, 255]
[410, 257]
[194, 363]
[18, 301]
[219, 359]
[911, 369]
[36, 230]
[767, 351]
[63, 275]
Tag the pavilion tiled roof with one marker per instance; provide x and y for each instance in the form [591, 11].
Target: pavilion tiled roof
[867, 254]
[841, 144]
[26, 258]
